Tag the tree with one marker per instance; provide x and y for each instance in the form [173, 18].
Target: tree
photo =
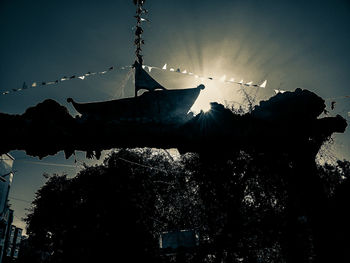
[104, 212]
[247, 207]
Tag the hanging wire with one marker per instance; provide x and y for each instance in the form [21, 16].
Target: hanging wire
[121, 91]
[49, 164]
[19, 199]
[143, 165]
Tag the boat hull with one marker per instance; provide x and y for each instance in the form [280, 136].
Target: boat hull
[154, 105]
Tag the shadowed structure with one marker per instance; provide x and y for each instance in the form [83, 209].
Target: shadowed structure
[287, 123]
[285, 127]
[156, 104]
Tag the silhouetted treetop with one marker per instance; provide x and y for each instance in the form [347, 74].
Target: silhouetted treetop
[246, 208]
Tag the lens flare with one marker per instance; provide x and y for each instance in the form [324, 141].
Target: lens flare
[211, 93]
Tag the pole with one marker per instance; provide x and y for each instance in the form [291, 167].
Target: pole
[138, 30]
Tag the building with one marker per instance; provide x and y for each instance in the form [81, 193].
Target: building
[5, 232]
[13, 243]
[17, 243]
[6, 214]
[9, 241]
[6, 176]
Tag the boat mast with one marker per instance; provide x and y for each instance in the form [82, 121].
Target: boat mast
[138, 31]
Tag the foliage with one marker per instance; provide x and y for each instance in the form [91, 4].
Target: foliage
[247, 208]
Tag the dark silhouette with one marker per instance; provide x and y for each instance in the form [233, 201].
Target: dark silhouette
[156, 104]
[286, 123]
[140, 10]
[249, 185]
[246, 208]
[254, 191]
[333, 105]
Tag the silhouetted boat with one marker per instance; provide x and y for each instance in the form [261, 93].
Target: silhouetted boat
[157, 103]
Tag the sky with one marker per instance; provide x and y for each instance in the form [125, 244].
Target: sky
[292, 44]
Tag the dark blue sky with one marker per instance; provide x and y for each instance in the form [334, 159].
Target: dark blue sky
[290, 43]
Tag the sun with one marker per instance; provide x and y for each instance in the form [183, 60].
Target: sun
[211, 93]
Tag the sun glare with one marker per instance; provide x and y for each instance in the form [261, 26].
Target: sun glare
[211, 93]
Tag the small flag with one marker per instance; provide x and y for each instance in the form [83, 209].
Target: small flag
[81, 77]
[263, 85]
[143, 66]
[164, 67]
[171, 69]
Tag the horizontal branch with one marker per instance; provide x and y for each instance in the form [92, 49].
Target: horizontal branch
[282, 124]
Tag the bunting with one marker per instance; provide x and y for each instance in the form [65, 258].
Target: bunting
[333, 101]
[279, 91]
[146, 67]
[222, 79]
[242, 83]
[84, 76]
[36, 84]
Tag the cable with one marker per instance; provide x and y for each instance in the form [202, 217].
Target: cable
[19, 199]
[142, 165]
[50, 164]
